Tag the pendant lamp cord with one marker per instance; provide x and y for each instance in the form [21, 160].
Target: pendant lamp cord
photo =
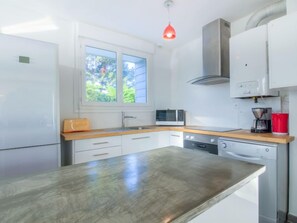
[168, 14]
[168, 4]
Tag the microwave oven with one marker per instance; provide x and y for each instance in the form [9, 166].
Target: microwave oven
[170, 117]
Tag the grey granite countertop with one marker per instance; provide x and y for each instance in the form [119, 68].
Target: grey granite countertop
[164, 185]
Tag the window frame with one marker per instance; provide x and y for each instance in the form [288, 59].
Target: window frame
[119, 104]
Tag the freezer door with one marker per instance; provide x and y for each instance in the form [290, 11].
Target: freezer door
[32, 160]
[28, 93]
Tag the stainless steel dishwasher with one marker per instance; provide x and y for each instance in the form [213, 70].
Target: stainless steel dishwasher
[273, 184]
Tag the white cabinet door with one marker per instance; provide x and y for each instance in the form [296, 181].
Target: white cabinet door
[248, 64]
[163, 139]
[96, 143]
[138, 142]
[97, 154]
[282, 39]
[176, 138]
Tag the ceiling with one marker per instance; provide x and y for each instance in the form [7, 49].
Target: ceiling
[147, 19]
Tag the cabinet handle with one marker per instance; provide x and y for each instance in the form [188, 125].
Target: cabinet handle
[99, 143]
[145, 137]
[101, 154]
[176, 136]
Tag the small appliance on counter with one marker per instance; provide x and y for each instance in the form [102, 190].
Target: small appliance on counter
[262, 123]
[280, 123]
[170, 117]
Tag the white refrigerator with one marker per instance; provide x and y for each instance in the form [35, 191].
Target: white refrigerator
[29, 107]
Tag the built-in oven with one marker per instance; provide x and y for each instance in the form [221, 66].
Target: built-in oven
[170, 117]
[201, 142]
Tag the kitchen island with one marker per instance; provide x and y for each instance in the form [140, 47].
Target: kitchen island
[169, 184]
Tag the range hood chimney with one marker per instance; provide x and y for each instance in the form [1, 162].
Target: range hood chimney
[215, 38]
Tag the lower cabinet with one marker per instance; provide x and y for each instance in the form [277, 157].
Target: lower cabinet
[163, 139]
[176, 138]
[139, 142]
[85, 150]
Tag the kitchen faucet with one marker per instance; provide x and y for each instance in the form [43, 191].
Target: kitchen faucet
[124, 117]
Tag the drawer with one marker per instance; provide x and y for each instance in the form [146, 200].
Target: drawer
[97, 143]
[97, 154]
[139, 142]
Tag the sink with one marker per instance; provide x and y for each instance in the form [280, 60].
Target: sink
[138, 128]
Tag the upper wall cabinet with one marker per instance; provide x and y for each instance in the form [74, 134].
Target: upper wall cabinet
[282, 38]
[248, 64]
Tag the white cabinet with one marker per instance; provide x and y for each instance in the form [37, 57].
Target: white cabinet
[176, 138]
[282, 39]
[97, 154]
[248, 64]
[163, 139]
[96, 143]
[244, 199]
[86, 150]
[139, 142]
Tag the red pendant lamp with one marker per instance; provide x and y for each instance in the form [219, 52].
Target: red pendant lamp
[169, 32]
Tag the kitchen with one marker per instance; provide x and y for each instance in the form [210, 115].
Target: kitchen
[167, 65]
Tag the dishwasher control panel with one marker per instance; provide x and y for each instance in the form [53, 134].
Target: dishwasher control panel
[246, 148]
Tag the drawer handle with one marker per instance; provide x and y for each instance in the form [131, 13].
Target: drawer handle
[101, 154]
[99, 143]
[176, 136]
[145, 137]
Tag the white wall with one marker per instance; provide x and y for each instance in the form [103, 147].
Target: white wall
[292, 7]
[162, 77]
[66, 36]
[210, 105]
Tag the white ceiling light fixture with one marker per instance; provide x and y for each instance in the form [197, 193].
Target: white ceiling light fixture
[169, 32]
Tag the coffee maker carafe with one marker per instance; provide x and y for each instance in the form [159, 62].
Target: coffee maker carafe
[262, 123]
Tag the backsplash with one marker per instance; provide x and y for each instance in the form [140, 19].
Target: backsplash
[101, 120]
[244, 109]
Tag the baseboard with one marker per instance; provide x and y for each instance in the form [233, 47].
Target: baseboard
[292, 219]
[281, 217]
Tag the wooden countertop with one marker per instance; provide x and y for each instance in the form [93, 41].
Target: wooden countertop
[237, 134]
[148, 187]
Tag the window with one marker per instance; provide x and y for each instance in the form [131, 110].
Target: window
[134, 79]
[100, 75]
[114, 76]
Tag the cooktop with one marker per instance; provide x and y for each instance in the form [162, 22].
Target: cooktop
[212, 128]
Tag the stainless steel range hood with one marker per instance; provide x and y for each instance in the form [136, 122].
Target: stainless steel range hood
[215, 37]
